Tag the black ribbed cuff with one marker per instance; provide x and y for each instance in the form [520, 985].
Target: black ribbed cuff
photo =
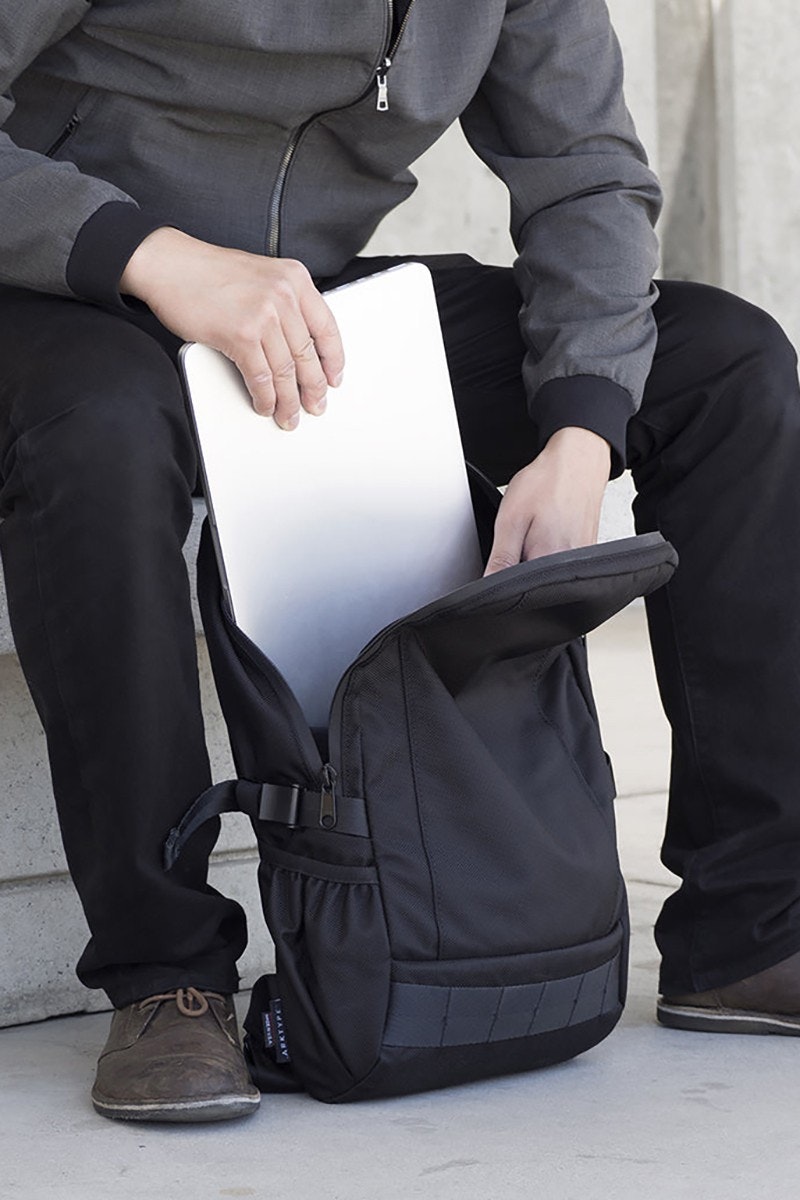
[590, 402]
[102, 249]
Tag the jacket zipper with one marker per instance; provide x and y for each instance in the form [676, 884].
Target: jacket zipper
[381, 72]
[66, 133]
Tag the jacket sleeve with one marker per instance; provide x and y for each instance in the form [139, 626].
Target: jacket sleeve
[550, 120]
[60, 231]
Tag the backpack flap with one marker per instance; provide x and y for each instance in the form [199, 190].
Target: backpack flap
[539, 605]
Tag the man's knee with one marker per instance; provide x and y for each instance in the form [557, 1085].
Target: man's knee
[720, 330]
[724, 382]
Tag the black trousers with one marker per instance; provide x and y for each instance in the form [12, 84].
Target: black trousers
[97, 470]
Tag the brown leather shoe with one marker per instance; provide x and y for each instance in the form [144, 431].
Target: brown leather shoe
[768, 1002]
[174, 1057]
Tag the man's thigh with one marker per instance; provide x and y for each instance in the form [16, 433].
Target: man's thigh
[60, 358]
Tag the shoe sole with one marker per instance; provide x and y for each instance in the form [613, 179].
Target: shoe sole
[725, 1020]
[179, 1112]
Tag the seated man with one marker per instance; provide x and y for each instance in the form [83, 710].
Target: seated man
[175, 171]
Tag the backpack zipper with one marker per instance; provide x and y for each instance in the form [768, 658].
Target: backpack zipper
[66, 133]
[380, 75]
[327, 803]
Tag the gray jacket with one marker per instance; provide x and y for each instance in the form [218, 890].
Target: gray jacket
[258, 125]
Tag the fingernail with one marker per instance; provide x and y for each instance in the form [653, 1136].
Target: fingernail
[291, 423]
[320, 407]
[338, 379]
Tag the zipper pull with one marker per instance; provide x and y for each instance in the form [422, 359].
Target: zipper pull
[383, 85]
[327, 804]
[66, 133]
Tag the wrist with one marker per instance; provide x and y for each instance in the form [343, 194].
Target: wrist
[577, 443]
[149, 259]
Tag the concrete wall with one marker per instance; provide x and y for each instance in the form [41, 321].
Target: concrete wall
[757, 50]
[729, 138]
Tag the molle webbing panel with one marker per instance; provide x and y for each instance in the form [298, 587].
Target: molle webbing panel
[424, 1015]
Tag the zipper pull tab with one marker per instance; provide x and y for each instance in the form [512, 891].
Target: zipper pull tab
[327, 804]
[383, 85]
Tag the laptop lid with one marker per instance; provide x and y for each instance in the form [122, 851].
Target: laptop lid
[327, 534]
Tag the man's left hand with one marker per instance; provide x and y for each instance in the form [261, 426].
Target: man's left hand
[554, 503]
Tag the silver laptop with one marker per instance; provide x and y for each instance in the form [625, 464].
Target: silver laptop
[329, 533]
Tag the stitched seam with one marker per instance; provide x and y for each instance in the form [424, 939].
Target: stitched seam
[601, 806]
[446, 1016]
[376, 864]
[532, 1021]
[420, 818]
[577, 998]
[496, 1014]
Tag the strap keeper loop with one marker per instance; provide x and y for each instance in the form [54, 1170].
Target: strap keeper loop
[282, 804]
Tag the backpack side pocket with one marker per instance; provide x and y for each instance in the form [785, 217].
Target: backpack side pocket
[333, 966]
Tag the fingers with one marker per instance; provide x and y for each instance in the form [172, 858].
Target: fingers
[257, 375]
[293, 350]
[507, 548]
[322, 327]
[537, 516]
[264, 314]
[513, 545]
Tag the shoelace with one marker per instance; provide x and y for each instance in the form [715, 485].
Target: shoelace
[190, 1002]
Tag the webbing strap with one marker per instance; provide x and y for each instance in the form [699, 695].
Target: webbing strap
[422, 1015]
[231, 796]
[287, 805]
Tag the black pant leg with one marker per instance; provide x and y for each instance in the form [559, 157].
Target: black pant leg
[97, 468]
[714, 452]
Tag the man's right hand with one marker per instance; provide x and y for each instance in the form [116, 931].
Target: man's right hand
[265, 314]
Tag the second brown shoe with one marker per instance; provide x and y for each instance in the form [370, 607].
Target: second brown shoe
[768, 1002]
[174, 1057]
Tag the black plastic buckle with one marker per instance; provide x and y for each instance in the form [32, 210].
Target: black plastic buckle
[280, 803]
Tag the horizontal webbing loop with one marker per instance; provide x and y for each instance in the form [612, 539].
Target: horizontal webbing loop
[423, 1015]
[289, 805]
[297, 806]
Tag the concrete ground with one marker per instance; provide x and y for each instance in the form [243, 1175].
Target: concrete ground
[649, 1113]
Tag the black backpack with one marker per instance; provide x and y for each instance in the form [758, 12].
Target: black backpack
[438, 868]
